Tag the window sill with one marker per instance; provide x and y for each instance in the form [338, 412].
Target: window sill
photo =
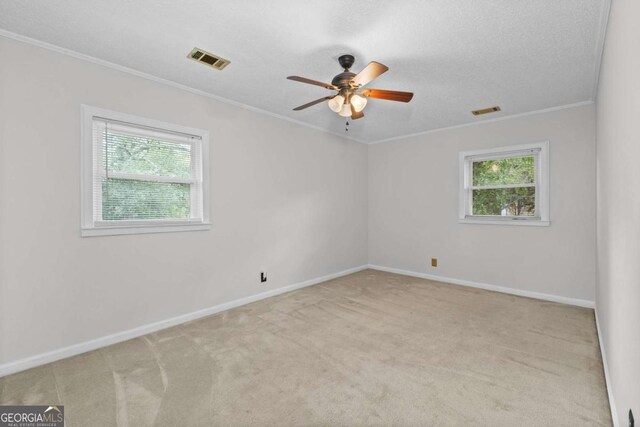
[142, 229]
[517, 222]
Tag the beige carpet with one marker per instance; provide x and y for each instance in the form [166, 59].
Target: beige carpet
[371, 348]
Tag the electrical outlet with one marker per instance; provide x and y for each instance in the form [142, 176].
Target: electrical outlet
[434, 262]
[263, 277]
[630, 418]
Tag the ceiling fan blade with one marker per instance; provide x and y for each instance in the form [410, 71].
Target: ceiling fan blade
[312, 82]
[312, 103]
[356, 115]
[391, 95]
[370, 72]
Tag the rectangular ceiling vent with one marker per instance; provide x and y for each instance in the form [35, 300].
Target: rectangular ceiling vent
[208, 58]
[485, 111]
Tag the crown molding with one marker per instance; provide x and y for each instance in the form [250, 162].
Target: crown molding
[602, 32]
[121, 68]
[482, 122]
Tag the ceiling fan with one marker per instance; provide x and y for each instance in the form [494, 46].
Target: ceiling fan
[351, 98]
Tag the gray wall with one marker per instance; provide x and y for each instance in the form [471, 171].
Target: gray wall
[618, 147]
[285, 199]
[413, 207]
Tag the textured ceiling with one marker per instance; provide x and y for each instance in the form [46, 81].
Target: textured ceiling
[455, 55]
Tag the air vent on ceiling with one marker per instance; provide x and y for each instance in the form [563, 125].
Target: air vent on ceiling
[208, 58]
[485, 111]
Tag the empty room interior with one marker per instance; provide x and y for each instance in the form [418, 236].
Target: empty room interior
[306, 213]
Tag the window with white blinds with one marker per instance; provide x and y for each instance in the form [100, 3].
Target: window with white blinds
[145, 176]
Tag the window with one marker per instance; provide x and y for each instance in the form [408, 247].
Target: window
[141, 175]
[507, 185]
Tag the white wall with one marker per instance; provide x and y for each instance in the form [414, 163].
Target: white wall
[413, 207]
[618, 151]
[286, 199]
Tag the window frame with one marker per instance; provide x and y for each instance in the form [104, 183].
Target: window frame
[90, 226]
[541, 165]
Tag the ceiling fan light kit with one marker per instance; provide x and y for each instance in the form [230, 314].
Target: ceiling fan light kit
[350, 99]
[358, 102]
[345, 111]
[336, 103]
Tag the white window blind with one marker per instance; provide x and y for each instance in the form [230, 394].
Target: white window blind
[144, 176]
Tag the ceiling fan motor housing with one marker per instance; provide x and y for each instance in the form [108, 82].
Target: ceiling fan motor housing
[343, 80]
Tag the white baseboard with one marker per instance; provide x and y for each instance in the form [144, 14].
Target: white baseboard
[83, 347]
[495, 288]
[607, 377]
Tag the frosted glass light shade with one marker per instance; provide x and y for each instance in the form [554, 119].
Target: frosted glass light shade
[345, 111]
[336, 103]
[358, 102]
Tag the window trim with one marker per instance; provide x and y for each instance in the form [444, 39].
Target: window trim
[466, 158]
[90, 227]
